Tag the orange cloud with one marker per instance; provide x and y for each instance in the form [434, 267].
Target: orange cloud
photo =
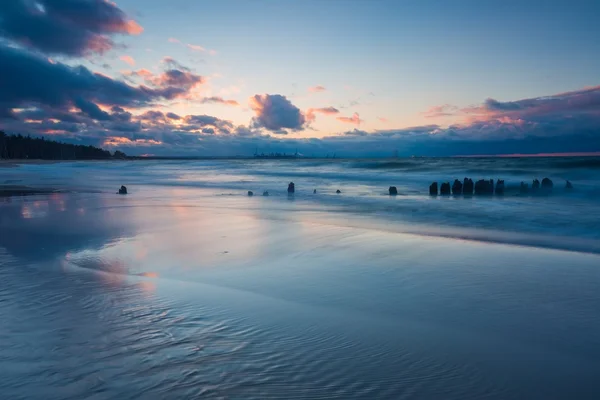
[354, 119]
[120, 140]
[316, 89]
[144, 73]
[382, 119]
[128, 59]
[133, 28]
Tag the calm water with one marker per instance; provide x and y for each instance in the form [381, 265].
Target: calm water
[187, 288]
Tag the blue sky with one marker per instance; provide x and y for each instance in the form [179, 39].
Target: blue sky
[383, 65]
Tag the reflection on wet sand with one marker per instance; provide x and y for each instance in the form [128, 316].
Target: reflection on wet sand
[186, 294]
[46, 227]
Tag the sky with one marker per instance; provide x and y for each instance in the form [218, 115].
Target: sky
[351, 77]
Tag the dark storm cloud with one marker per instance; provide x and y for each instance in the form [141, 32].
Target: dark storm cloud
[119, 114]
[202, 119]
[201, 122]
[27, 79]
[492, 104]
[178, 78]
[41, 114]
[153, 116]
[92, 110]
[276, 113]
[65, 27]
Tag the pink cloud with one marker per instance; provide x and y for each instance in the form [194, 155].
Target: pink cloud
[219, 100]
[195, 47]
[311, 112]
[98, 44]
[176, 82]
[354, 119]
[131, 27]
[142, 73]
[382, 119]
[128, 60]
[445, 110]
[317, 89]
[567, 105]
[173, 40]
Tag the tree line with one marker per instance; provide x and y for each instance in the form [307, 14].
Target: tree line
[19, 147]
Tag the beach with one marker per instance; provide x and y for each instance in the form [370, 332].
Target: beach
[188, 288]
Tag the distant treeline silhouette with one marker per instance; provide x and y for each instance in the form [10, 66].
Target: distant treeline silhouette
[19, 147]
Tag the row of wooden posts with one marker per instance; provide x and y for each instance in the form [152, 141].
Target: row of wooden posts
[487, 187]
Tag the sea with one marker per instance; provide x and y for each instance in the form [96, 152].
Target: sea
[188, 287]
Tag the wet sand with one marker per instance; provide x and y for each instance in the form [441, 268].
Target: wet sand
[175, 292]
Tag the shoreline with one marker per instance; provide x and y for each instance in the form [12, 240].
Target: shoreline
[381, 225]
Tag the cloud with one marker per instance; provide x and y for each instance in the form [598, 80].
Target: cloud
[356, 132]
[327, 110]
[316, 89]
[201, 122]
[176, 81]
[120, 141]
[219, 100]
[91, 110]
[142, 73]
[170, 62]
[311, 112]
[354, 119]
[276, 113]
[382, 119]
[29, 80]
[191, 136]
[128, 60]
[195, 47]
[43, 96]
[575, 103]
[153, 117]
[445, 110]
[26, 78]
[177, 78]
[64, 27]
